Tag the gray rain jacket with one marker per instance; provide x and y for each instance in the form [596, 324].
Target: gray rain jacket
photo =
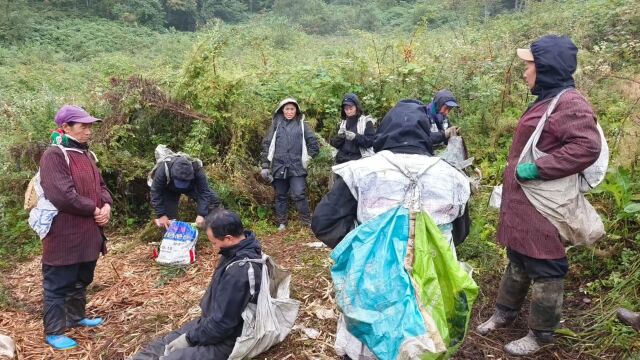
[287, 158]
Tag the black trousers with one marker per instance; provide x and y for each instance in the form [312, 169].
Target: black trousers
[65, 295]
[297, 186]
[155, 350]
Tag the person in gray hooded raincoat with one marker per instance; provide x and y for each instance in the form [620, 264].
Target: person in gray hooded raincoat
[286, 149]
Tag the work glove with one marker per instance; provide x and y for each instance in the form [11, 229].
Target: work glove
[163, 221]
[180, 342]
[266, 175]
[200, 221]
[452, 131]
[527, 171]
[341, 131]
[349, 135]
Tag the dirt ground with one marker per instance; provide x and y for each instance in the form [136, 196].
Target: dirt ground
[140, 300]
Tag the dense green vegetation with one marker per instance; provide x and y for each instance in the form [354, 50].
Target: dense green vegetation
[211, 92]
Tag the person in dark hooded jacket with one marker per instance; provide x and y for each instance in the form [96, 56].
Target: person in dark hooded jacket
[571, 141]
[406, 128]
[286, 149]
[355, 134]
[213, 335]
[185, 177]
[438, 112]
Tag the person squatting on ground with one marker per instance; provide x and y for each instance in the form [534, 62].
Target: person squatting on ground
[185, 177]
[286, 149]
[72, 182]
[213, 335]
[536, 253]
[356, 133]
[438, 112]
[401, 142]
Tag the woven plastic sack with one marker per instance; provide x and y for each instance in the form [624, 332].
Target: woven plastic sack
[444, 286]
[270, 320]
[378, 296]
[178, 245]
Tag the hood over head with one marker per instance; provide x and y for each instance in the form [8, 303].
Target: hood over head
[444, 97]
[555, 58]
[353, 100]
[285, 102]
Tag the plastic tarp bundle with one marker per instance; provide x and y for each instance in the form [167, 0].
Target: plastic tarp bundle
[400, 308]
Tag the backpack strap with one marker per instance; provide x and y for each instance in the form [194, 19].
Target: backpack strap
[64, 152]
[250, 271]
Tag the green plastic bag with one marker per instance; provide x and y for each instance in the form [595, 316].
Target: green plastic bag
[445, 289]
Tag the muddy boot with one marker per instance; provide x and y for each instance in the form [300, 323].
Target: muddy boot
[513, 290]
[544, 317]
[501, 318]
[629, 317]
[524, 346]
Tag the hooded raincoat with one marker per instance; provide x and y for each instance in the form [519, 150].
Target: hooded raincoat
[570, 138]
[353, 149]
[286, 144]
[439, 122]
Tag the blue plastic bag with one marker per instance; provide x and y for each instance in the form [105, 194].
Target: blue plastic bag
[383, 312]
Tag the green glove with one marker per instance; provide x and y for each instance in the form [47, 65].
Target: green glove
[527, 171]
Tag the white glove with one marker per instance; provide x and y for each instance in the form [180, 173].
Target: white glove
[179, 343]
[200, 222]
[452, 131]
[341, 131]
[266, 175]
[349, 135]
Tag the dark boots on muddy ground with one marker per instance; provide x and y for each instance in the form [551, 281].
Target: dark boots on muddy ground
[544, 313]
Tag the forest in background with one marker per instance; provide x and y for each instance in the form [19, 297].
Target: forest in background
[204, 76]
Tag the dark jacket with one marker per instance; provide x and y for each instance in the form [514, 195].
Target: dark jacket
[199, 191]
[287, 159]
[437, 119]
[75, 190]
[228, 295]
[406, 128]
[350, 149]
[336, 214]
[570, 138]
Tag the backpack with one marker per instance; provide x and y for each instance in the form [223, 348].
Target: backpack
[41, 210]
[164, 156]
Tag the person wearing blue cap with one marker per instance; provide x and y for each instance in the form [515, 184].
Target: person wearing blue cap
[438, 112]
[183, 176]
